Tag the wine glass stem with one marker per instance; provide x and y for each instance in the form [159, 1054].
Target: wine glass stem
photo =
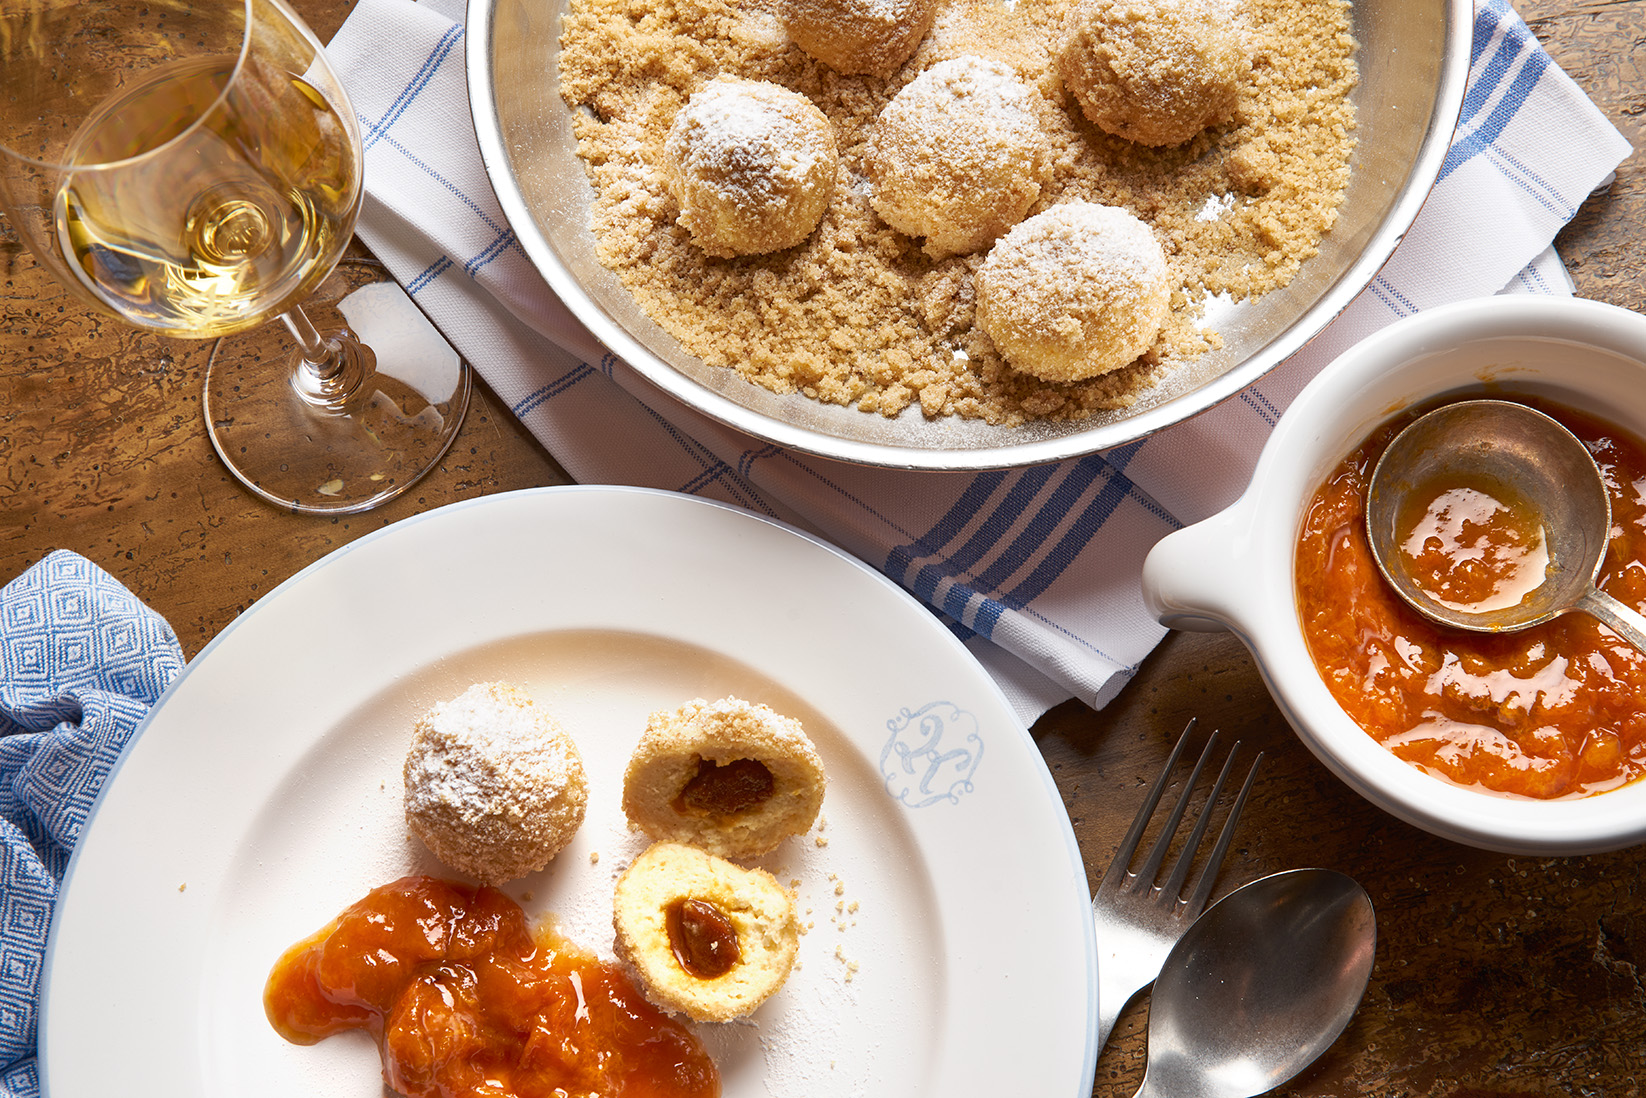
[331, 371]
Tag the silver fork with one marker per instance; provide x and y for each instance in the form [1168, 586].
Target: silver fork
[1139, 920]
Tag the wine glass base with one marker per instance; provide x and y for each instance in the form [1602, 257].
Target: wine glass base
[307, 458]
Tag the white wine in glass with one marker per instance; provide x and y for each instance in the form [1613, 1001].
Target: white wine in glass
[194, 169]
[271, 198]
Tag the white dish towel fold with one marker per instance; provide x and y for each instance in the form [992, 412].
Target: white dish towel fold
[1037, 569]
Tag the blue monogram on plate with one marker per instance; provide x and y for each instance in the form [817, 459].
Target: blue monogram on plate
[931, 754]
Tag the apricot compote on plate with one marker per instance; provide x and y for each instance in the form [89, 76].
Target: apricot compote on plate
[465, 1001]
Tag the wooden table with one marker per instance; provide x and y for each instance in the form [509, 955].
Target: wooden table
[1496, 976]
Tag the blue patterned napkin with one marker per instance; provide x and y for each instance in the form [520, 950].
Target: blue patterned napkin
[1036, 569]
[81, 662]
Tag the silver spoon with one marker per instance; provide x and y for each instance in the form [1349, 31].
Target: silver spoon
[1259, 986]
[1534, 462]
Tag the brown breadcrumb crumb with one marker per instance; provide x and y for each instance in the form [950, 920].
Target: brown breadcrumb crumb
[857, 314]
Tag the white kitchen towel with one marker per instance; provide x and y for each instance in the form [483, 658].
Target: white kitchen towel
[1036, 569]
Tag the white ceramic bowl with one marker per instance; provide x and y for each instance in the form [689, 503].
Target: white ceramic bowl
[1235, 570]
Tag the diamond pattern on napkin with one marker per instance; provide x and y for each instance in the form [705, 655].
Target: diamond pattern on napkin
[81, 662]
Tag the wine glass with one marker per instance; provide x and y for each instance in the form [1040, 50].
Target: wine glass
[194, 169]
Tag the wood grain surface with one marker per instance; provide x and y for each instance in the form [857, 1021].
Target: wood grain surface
[1496, 976]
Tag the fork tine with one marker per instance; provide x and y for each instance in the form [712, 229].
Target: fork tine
[1137, 922]
[1208, 872]
[1172, 890]
[1146, 873]
[1122, 860]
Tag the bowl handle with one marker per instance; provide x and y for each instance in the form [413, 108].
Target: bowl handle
[1193, 577]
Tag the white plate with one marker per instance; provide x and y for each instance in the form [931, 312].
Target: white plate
[950, 946]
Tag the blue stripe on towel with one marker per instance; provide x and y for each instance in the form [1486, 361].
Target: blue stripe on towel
[936, 582]
[1025, 486]
[556, 386]
[1031, 540]
[958, 628]
[1262, 405]
[495, 225]
[420, 80]
[1113, 487]
[1472, 143]
[712, 471]
[1044, 505]
[816, 474]
[1508, 47]
[1500, 51]
[900, 558]
[1487, 19]
[1534, 282]
[1088, 521]
[429, 274]
[1398, 303]
[497, 247]
[745, 463]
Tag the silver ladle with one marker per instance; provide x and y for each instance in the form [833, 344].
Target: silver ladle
[1530, 456]
[1259, 986]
